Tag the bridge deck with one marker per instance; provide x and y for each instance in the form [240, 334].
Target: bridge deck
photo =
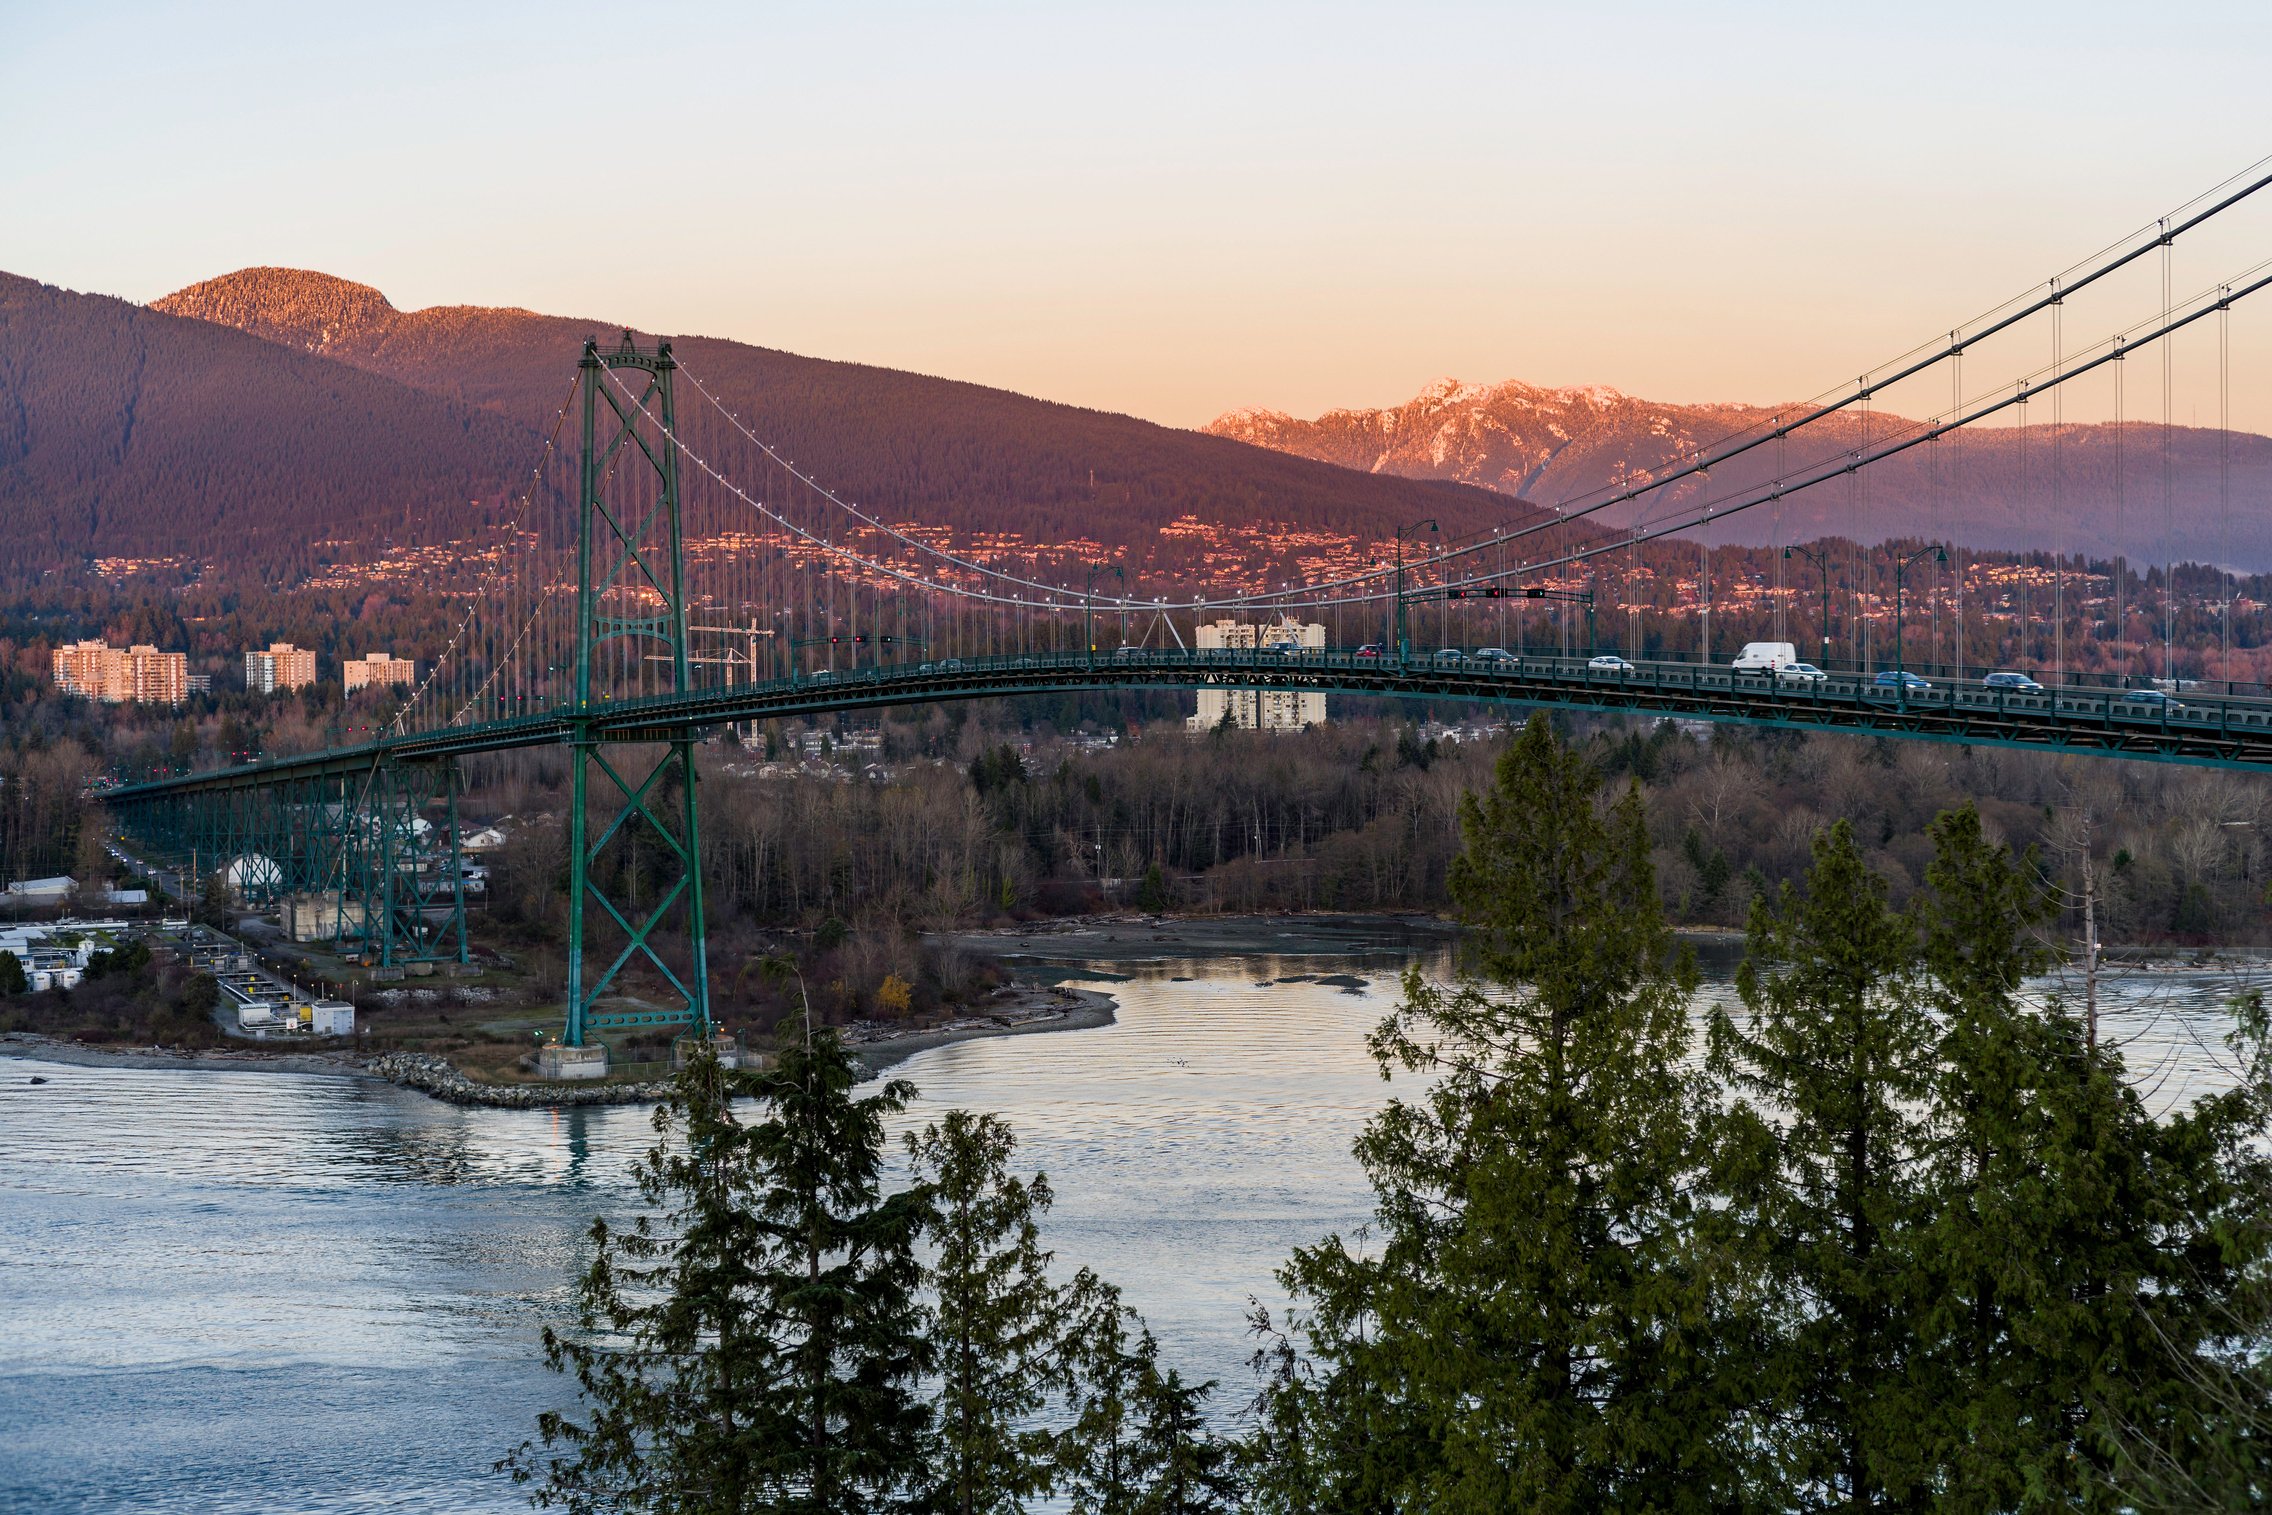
[2223, 731]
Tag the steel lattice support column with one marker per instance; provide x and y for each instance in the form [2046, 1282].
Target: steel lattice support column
[631, 587]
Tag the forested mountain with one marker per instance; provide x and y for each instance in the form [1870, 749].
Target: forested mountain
[1995, 490]
[126, 432]
[914, 447]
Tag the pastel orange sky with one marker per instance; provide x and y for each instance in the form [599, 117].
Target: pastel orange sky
[1167, 210]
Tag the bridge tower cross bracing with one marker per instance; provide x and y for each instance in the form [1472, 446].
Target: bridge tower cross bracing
[631, 585]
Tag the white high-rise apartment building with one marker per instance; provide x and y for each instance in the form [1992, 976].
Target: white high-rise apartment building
[377, 669]
[1260, 709]
[282, 666]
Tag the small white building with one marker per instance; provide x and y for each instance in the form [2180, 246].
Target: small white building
[332, 1017]
[42, 891]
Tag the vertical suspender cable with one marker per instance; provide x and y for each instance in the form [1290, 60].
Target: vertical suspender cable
[2169, 531]
[2225, 484]
[2121, 541]
[2058, 522]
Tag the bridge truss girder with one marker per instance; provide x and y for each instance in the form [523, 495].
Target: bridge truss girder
[357, 840]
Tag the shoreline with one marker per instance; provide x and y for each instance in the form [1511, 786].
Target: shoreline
[1127, 936]
[1043, 1009]
[34, 1047]
[1085, 1010]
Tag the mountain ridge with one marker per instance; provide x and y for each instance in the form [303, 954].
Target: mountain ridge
[938, 450]
[1571, 444]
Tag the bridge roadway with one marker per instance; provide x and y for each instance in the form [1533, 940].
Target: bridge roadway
[2220, 731]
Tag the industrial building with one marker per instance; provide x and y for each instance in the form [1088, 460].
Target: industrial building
[1260, 709]
[281, 666]
[376, 670]
[140, 674]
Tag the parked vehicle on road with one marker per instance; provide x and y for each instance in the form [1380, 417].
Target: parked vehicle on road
[2006, 679]
[1901, 678]
[1764, 657]
[1608, 662]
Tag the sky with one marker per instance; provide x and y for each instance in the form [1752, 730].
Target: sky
[1162, 209]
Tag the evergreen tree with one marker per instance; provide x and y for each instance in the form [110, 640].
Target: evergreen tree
[1108, 1356]
[2061, 1273]
[12, 980]
[1819, 1179]
[2192, 1431]
[843, 1294]
[995, 1318]
[672, 1345]
[755, 1344]
[1532, 1332]
[1185, 1469]
[1293, 1463]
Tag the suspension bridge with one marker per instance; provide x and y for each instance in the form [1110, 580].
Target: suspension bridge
[673, 574]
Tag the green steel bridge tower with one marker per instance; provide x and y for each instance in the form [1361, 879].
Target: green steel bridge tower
[631, 588]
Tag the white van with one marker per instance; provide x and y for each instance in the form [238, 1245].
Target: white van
[1764, 657]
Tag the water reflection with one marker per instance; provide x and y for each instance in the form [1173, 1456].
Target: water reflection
[237, 1292]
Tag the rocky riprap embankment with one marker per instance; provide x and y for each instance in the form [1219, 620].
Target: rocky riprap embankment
[433, 1075]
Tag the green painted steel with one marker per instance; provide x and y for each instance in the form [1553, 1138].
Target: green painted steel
[631, 552]
[2230, 732]
[341, 822]
[356, 848]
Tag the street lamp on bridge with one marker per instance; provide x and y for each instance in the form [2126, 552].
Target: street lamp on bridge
[1430, 523]
[1821, 560]
[1938, 554]
[1089, 606]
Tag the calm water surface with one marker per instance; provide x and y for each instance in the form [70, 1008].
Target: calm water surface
[234, 1292]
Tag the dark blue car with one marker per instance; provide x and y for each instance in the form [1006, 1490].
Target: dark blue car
[1901, 679]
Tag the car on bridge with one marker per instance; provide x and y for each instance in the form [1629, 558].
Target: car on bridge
[2155, 700]
[1450, 655]
[1371, 650]
[1498, 657]
[1608, 662]
[1764, 657]
[2006, 679]
[1799, 673]
[1902, 679]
